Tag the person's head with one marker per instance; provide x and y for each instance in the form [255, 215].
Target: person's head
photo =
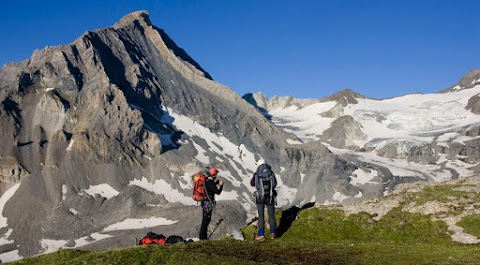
[261, 161]
[213, 172]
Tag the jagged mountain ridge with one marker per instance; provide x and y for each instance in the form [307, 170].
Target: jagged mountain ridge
[101, 138]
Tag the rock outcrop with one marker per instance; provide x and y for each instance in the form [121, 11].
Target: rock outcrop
[343, 133]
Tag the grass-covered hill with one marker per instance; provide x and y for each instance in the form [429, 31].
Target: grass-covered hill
[421, 223]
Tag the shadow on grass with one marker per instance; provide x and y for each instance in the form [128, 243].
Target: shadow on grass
[288, 216]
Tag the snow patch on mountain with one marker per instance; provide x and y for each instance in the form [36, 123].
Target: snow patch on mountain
[10, 256]
[50, 245]
[201, 154]
[103, 190]
[237, 153]
[70, 145]
[4, 240]
[337, 197]
[131, 223]
[64, 192]
[285, 194]
[361, 177]
[185, 181]
[83, 241]
[161, 187]
[3, 201]
[306, 123]
[462, 168]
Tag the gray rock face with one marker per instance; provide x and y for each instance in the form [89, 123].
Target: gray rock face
[343, 132]
[101, 138]
[474, 104]
[470, 80]
[11, 171]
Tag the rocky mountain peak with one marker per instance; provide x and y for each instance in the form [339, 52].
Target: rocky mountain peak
[469, 80]
[140, 16]
[344, 97]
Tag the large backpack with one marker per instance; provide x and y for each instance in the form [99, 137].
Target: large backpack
[175, 240]
[265, 175]
[198, 189]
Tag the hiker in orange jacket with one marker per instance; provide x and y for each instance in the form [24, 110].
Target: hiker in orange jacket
[211, 189]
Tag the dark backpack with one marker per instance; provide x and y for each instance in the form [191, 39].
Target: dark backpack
[265, 175]
[264, 172]
[175, 240]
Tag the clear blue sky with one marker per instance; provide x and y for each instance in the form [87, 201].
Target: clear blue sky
[302, 48]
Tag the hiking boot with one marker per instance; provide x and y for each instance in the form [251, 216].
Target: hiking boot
[273, 235]
[260, 238]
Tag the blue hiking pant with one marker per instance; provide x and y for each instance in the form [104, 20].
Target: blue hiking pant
[261, 218]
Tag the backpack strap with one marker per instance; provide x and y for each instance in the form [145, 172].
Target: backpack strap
[209, 178]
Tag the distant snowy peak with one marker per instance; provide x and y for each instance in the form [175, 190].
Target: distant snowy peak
[344, 97]
[414, 117]
[265, 104]
[468, 81]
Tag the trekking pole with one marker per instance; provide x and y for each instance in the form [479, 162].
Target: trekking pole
[216, 226]
[253, 221]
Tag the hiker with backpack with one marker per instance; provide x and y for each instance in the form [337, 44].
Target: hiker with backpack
[265, 182]
[211, 186]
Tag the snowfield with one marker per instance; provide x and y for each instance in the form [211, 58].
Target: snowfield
[406, 122]
[413, 117]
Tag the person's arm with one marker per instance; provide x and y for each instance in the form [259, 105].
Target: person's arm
[210, 185]
[252, 180]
